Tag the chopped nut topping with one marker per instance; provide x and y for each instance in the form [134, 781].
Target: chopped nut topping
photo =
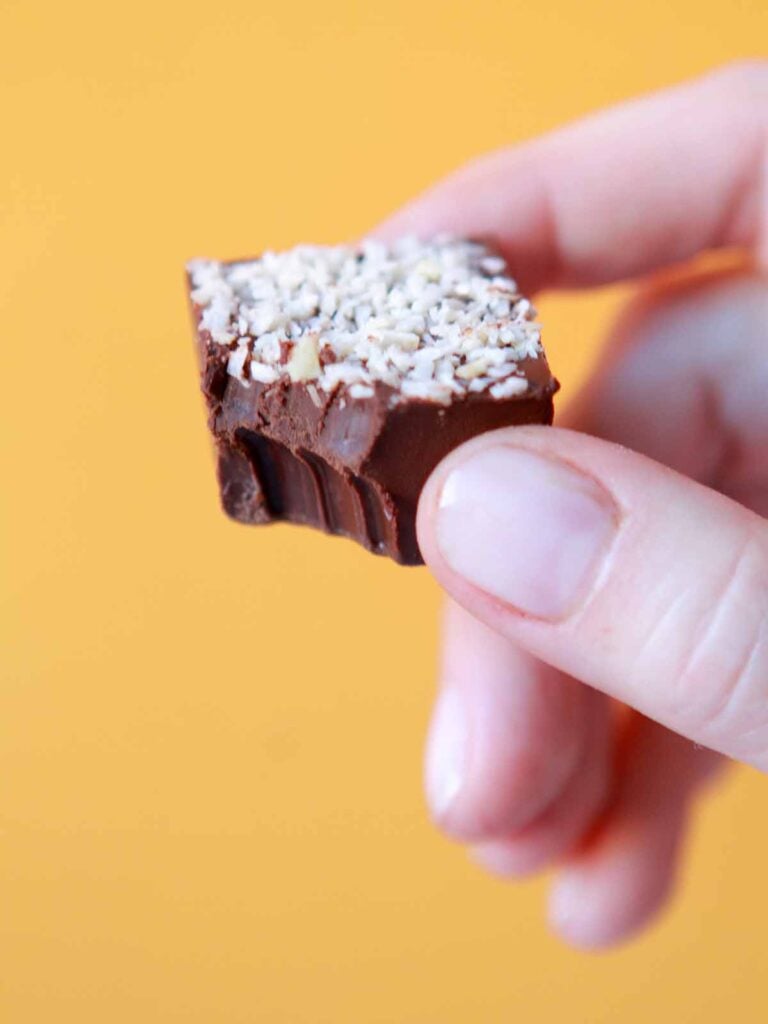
[431, 320]
[304, 364]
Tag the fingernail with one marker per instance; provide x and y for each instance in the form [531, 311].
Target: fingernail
[447, 748]
[525, 528]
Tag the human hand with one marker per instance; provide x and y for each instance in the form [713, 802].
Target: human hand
[607, 625]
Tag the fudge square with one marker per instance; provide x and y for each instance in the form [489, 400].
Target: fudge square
[337, 377]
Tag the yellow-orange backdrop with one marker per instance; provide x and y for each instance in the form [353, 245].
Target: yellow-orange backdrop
[211, 737]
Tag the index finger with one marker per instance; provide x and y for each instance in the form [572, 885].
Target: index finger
[629, 190]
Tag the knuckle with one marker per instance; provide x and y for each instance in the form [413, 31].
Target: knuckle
[724, 676]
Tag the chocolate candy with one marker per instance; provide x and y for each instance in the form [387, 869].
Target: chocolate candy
[336, 378]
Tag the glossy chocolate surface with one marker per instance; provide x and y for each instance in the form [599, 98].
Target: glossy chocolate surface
[288, 452]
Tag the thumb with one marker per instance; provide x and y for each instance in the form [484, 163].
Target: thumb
[630, 577]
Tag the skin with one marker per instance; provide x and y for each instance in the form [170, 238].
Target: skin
[590, 737]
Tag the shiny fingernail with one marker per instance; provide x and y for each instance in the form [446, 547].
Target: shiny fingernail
[526, 528]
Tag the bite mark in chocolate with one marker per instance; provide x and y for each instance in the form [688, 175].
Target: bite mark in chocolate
[361, 368]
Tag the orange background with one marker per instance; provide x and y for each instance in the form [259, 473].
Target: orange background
[211, 736]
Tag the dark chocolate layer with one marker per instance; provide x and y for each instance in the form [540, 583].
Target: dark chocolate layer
[355, 467]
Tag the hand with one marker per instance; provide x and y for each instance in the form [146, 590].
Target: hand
[607, 624]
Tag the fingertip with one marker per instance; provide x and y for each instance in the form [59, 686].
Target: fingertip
[508, 860]
[433, 497]
[504, 746]
[563, 827]
[616, 888]
[573, 920]
[508, 736]
[447, 759]
[592, 915]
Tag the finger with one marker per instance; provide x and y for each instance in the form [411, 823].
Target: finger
[563, 824]
[693, 352]
[613, 196]
[510, 736]
[614, 569]
[626, 873]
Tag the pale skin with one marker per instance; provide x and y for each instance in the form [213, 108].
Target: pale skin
[582, 707]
